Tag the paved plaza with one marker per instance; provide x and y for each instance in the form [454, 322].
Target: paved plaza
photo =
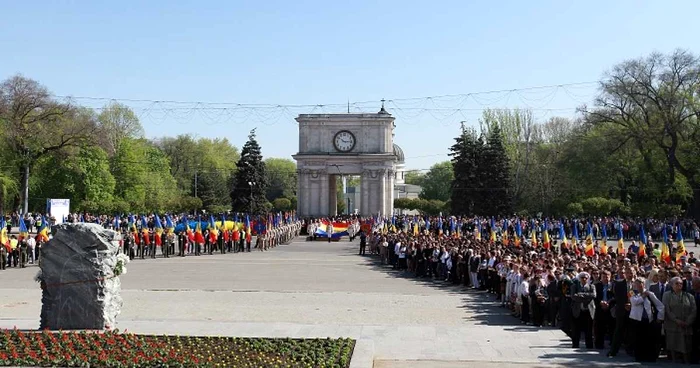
[317, 289]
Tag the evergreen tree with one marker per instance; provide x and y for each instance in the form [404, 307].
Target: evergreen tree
[250, 180]
[495, 176]
[465, 160]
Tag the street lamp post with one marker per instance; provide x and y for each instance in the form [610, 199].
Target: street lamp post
[251, 183]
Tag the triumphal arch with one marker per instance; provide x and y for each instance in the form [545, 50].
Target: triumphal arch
[332, 145]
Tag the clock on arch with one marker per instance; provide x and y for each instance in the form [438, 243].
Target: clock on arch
[344, 141]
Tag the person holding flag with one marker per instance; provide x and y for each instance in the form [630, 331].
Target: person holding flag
[213, 234]
[198, 237]
[4, 244]
[158, 238]
[170, 236]
[620, 240]
[190, 236]
[248, 233]
[22, 243]
[226, 235]
[146, 241]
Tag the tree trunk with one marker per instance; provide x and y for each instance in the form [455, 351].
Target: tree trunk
[24, 190]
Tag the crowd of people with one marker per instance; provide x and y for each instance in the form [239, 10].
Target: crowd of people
[618, 284]
[144, 239]
[615, 294]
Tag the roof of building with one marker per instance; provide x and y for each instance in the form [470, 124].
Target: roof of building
[398, 152]
[409, 188]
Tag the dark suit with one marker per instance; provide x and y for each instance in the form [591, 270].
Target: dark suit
[603, 321]
[583, 311]
[658, 290]
[617, 305]
[553, 300]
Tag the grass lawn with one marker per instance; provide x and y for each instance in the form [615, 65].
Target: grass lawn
[115, 349]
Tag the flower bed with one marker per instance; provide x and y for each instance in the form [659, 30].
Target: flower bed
[114, 349]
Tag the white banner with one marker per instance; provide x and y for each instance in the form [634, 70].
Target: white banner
[58, 209]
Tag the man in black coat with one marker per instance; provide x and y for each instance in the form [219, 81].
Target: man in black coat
[603, 321]
[620, 306]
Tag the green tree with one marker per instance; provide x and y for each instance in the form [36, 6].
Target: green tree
[403, 203]
[281, 178]
[414, 177]
[494, 168]
[520, 136]
[466, 153]
[35, 125]
[202, 168]
[8, 186]
[282, 204]
[438, 181]
[250, 180]
[655, 102]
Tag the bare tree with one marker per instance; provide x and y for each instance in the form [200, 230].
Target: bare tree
[118, 121]
[36, 125]
[520, 135]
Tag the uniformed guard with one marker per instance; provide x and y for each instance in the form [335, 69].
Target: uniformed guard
[152, 235]
[128, 248]
[22, 246]
[142, 246]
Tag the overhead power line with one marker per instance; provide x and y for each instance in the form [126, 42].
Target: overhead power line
[342, 104]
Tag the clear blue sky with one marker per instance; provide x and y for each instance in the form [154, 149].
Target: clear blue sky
[314, 52]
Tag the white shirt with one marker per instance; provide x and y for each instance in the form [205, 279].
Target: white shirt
[31, 242]
[638, 302]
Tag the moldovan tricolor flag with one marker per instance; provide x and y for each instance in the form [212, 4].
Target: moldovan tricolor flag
[198, 236]
[546, 242]
[43, 230]
[159, 231]
[620, 240]
[492, 238]
[562, 235]
[604, 246]
[643, 246]
[213, 233]
[133, 229]
[518, 233]
[248, 230]
[589, 242]
[680, 249]
[4, 240]
[665, 252]
[23, 232]
[144, 231]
